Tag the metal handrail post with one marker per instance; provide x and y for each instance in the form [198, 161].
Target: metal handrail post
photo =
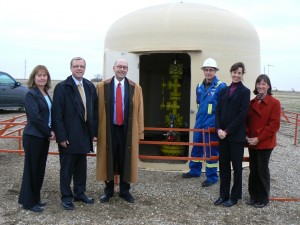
[296, 129]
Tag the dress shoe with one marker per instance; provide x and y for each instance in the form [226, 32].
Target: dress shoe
[85, 199]
[259, 205]
[188, 175]
[35, 208]
[251, 202]
[105, 198]
[41, 204]
[219, 201]
[127, 197]
[67, 205]
[229, 203]
[207, 183]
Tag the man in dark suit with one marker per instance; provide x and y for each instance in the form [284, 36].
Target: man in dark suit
[75, 121]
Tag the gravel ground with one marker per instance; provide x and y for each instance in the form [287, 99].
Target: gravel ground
[160, 197]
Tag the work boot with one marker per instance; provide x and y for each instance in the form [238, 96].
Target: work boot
[207, 183]
[188, 175]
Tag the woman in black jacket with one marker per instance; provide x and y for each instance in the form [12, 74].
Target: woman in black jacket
[36, 138]
[230, 126]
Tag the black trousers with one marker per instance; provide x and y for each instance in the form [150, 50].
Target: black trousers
[36, 153]
[259, 177]
[72, 166]
[118, 146]
[231, 152]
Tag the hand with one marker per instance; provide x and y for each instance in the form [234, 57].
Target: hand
[52, 137]
[222, 134]
[64, 143]
[253, 141]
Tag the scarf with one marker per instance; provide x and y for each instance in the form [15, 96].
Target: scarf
[261, 96]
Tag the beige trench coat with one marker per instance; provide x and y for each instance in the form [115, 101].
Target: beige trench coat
[135, 132]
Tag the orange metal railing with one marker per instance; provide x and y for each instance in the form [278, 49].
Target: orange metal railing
[203, 131]
[12, 126]
[293, 119]
[12, 129]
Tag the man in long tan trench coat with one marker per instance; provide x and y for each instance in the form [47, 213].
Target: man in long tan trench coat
[118, 144]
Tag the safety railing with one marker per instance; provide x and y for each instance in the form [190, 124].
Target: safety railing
[12, 129]
[12, 126]
[293, 119]
[203, 144]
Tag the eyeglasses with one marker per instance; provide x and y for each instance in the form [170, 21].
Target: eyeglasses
[77, 66]
[122, 67]
[209, 70]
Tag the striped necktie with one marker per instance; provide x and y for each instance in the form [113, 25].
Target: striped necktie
[80, 89]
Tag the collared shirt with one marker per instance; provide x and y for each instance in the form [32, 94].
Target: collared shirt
[80, 82]
[49, 107]
[116, 82]
[206, 84]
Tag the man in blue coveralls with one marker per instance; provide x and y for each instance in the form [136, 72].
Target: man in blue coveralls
[207, 94]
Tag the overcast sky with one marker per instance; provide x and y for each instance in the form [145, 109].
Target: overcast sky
[52, 32]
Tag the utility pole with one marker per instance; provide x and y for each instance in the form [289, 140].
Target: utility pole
[25, 70]
[269, 69]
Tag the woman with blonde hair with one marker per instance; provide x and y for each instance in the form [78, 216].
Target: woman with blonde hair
[36, 138]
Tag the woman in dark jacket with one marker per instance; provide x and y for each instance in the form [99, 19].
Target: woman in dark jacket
[36, 138]
[263, 122]
[230, 125]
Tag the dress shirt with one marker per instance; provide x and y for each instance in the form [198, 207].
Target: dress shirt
[77, 82]
[116, 82]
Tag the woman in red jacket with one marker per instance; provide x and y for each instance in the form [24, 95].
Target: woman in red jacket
[263, 121]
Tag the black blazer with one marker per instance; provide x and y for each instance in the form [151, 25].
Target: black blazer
[231, 112]
[37, 113]
[68, 116]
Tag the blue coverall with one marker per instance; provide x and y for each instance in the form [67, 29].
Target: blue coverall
[207, 100]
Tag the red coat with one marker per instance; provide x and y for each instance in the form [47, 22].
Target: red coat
[263, 121]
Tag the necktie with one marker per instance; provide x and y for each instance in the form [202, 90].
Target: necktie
[80, 89]
[119, 110]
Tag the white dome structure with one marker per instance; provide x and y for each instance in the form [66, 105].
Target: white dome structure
[183, 26]
[185, 33]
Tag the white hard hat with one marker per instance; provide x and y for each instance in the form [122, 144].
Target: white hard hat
[210, 63]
